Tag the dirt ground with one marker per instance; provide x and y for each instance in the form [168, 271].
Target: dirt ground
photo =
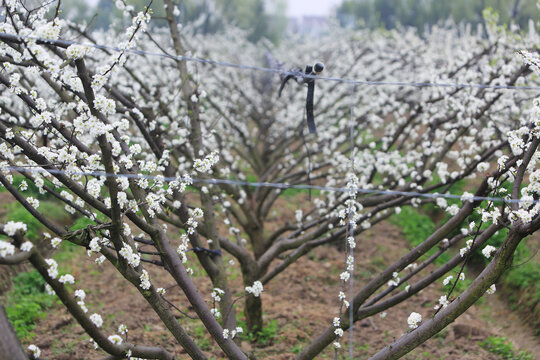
[302, 301]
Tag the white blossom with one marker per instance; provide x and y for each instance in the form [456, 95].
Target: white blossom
[96, 319]
[80, 294]
[122, 329]
[67, 278]
[256, 289]
[76, 51]
[106, 106]
[132, 258]
[55, 242]
[145, 280]
[49, 290]
[53, 268]
[115, 339]
[443, 302]
[27, 246]
[11, 227]
[447, 280]
[36, 352]
[488, 251]
[414, 319]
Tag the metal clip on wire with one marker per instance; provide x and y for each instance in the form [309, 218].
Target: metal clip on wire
[208, 251]
[301, 79]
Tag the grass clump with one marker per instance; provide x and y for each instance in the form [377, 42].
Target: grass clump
[504, 349]
[27, 303]
[16, 212]
[81, 223]
[417, 227]
[264, 337]
[522, 286]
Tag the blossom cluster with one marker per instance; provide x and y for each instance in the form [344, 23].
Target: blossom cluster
[6, 249]
[205, 165]
[67, 279]
[216, 295]
[145, 280]
[52, 270]
[81, 295]
[11, 227]
[96, 319]
[256, 289]
[232, 333]
[132, 258]
[488, 251]
[76, 51]
[467, 248]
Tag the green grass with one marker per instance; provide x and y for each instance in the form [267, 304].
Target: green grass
[203, 341]
[504, 349]
[32, 189]
[27, 302]
[81, 223]
[65, 254]
[521, 285]
[17, 212]
[417, 227]
[265, 337]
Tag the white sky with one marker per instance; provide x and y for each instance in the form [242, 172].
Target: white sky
[310, 7]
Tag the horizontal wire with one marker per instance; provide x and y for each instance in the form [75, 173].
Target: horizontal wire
[283, 186]
[66, 43]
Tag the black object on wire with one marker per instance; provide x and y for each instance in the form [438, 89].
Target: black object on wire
[301, 78]
[209, 251]
[308, 172]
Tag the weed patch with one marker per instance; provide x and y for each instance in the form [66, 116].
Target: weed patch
[27, 303]
[502, 347]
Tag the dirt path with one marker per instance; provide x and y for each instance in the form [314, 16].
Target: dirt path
[298, 304]
[510, 324]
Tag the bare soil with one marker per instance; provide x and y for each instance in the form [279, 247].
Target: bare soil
[302, 300]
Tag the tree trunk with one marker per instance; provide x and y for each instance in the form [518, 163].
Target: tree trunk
[226, 306]
[10, 347]
[253, 307]
[252, 304]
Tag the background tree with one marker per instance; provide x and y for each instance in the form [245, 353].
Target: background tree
[253, 16]
[389, 14]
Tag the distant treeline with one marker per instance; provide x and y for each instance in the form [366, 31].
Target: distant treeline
[260, 18]
[419, 13]
[267, 18]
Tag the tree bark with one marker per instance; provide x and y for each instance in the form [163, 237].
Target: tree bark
[254, 318]
[10, 347]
